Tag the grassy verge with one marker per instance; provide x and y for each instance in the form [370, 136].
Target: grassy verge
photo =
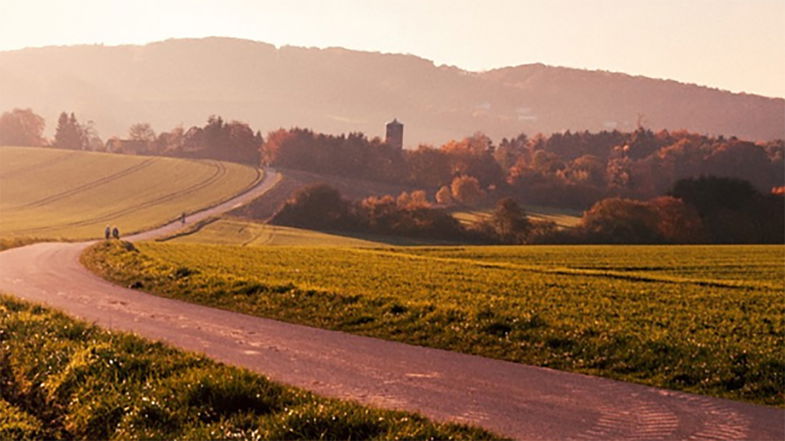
[720, 336]
[64, 379]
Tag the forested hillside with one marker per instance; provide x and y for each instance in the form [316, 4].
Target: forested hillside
[337, 90]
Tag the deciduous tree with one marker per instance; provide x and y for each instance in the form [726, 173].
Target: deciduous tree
[509, 221]
[466, 190]
[21, 127]
[141, 132]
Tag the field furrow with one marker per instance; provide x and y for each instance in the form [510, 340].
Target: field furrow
[77, 197]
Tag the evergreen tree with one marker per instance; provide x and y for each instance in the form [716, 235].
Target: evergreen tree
[69, 134]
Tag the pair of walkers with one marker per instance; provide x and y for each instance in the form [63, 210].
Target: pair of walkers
[111, 232]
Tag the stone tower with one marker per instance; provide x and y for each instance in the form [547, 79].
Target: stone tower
[394, 134]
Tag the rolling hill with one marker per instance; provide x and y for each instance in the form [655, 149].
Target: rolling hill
[335, 90]
[60, 193]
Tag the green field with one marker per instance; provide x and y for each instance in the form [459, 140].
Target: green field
[71, 194]
[706, 319]
[64, 379]
[228, 231]
[243, 232]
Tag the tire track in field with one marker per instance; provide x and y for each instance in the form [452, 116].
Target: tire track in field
[45, 163]
[87, 186]
[219, 173]
[565, 271]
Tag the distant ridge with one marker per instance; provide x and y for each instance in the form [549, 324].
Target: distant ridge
[334, 90]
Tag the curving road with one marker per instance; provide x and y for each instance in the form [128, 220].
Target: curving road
[520, 401]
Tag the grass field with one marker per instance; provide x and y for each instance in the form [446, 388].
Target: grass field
[71, 194]
[562, 217]
[243, 232]
[704, 319]
[64, 379]
[228, 231]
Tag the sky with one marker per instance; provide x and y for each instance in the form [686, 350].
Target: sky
[736, 45]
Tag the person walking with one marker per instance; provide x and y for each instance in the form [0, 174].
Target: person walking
[182, 218]
[107, 232]
[115, 233]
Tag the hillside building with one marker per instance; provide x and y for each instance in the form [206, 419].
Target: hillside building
[394, 134]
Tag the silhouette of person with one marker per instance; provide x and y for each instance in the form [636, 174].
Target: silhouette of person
[182, 218]
[115, 233]
[107, 232]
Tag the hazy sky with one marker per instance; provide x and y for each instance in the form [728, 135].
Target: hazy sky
[737, 45]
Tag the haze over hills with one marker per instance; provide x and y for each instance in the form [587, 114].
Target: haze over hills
[334, 90]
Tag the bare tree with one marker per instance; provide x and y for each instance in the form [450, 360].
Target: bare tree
[141, 132]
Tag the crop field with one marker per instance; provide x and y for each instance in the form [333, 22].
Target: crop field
[71, 194]
[64, 379]
[746, 266]
[228, 231]
[703, 319]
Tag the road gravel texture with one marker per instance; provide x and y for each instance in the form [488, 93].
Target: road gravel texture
[523, 402]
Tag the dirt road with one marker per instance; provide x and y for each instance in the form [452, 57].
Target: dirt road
[520, 401]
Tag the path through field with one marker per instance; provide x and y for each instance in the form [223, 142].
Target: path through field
[520, 401]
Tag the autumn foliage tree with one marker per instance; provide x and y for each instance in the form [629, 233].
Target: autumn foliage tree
[570, 169]
[412, 200]
[21, 127]
[677, 221]
[620, 221]
[466, 190]
[321, 207]
[444, 196]
[428, 167]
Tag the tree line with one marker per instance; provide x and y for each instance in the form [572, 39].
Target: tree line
[702, 210]
[565, 169]
[217, 139]
[570, 169]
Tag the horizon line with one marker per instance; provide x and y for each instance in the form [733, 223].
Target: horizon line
[433, 62]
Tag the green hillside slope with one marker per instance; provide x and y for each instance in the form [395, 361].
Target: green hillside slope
[71, 194]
